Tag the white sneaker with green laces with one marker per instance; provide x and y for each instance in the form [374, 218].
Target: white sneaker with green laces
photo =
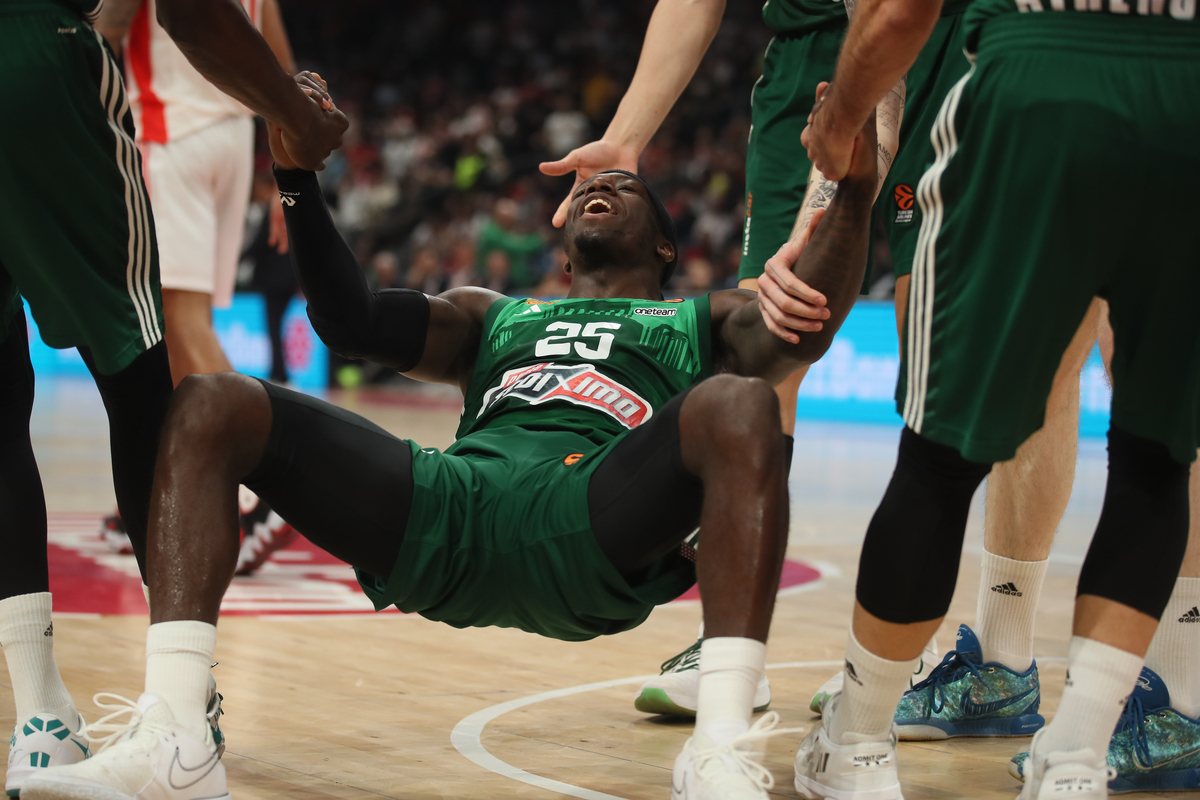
[677, 687]
[728, 772]
[147, 757]
[42, 741]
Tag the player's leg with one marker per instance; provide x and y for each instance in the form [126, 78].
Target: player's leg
[75, 229]
[306, 458]
[714, 457]
[1026, 497]
[43, 705]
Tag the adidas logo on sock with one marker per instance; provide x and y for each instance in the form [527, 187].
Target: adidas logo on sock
[50, 630]
[1191, 616]
[1009, 588]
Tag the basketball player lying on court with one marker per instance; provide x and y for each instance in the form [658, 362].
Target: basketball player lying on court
[598, 432]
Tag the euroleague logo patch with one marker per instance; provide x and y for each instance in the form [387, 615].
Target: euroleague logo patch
[904, 202]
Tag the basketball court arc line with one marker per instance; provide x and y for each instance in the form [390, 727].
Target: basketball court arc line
[467, 734]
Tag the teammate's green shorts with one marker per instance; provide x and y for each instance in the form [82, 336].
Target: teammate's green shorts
[76, 233]
[1066, 169]
[938, 67]
[777, 165]
[499, 535]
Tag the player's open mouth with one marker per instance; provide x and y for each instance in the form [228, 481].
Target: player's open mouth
[598, 205]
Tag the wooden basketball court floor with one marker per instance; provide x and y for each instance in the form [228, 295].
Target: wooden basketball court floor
[344, 704]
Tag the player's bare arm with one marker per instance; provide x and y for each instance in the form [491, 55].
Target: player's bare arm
[883, 41]
[832, 266]
[115, 18]
[677, 37]
[221, 43]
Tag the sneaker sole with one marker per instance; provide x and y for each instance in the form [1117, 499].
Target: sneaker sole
[1180, 780]
[656, 701]
[926, 730]
[73, 789]
[811, 790]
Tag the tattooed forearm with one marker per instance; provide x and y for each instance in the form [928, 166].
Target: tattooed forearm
[817, 196]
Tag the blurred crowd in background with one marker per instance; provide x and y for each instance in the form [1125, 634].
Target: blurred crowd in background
[453, 104]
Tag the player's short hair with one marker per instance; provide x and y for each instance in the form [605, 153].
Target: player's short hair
[666, 225]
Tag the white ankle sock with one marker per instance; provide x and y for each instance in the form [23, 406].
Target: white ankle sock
[730, 667]
[179, 656]
[1008, 598]
[1175, 650]
[1099, 679]
[27, 636]
[872, 689]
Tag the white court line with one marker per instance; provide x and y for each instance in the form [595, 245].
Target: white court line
[466, 734]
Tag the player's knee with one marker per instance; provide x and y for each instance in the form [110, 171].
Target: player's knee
[1147, 492]
[208, 411]
[741, 416]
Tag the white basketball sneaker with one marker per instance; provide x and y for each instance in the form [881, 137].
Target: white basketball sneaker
[43, 741]
[826, 770]
[677, 688]
[929, 660]
[729, 772]
[1075, 775]
[148, 757]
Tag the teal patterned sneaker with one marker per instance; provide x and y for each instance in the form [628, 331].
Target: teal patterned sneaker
[965, 697]
[43, 741]
[1154, 748]
[676, 689]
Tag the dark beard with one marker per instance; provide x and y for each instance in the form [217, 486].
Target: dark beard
[599, 247]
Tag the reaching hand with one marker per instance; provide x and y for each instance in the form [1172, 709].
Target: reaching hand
[829, 145]
[787, 303]
[306, 143]
[586, 161]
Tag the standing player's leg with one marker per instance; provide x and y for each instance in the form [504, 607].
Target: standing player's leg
[47, 723]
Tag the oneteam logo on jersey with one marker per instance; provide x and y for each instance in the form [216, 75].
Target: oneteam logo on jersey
[655, 312]
[580, 384]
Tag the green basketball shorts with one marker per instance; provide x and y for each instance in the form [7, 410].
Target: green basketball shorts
[939, 66]
[777, 165]
[1065, 168]
[499, 534]
[76, 232]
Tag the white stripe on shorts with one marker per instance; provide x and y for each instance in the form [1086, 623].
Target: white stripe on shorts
[116, 105]
[921, 291]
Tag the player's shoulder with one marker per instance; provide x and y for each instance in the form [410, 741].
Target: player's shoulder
[727, 301]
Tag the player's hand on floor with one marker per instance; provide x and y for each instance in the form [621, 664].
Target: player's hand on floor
[585, 162]
[829, 144]
[306, 142]
[788, 304]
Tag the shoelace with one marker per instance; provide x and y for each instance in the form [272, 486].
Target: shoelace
[108, 723]
[688, 659]
[1134, 716]
[764, 728]
[943, 674]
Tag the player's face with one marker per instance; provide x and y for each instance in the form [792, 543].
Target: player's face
[610, 201]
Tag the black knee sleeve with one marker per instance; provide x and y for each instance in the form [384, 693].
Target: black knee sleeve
[909, 562]
[136, 400]
[23, 567]
[1142, 534]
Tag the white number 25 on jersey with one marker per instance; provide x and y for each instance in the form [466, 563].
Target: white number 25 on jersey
[560, 344]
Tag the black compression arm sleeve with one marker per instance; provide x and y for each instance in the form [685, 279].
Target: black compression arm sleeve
[386, 327]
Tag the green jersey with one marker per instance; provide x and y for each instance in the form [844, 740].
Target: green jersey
[88, 9]
[800, 16]
[1137, 12]
[595, 368]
